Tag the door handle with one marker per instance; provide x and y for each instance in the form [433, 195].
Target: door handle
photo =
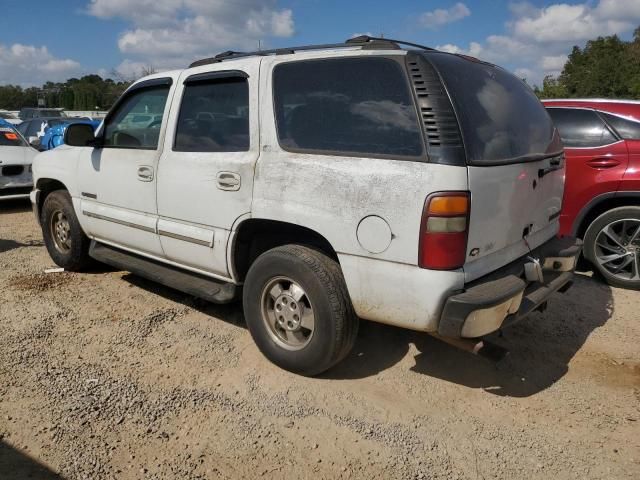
[603, 162]
[229, 181]
[554, 164]
[145, 173]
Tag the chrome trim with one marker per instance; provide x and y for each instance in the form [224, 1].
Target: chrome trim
[120, 222]
[184, 238]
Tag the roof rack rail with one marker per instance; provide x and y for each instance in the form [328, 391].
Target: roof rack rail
[363, 41]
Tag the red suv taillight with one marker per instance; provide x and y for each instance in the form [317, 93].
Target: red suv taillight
[444, 231]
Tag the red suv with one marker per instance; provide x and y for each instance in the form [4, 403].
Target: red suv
[602, 191]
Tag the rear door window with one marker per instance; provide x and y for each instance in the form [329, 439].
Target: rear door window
[627, 129]
[214, 116]
[581, 128]
[346, 106]
[501, 119]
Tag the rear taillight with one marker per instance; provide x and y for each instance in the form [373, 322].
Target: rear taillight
[444, 229]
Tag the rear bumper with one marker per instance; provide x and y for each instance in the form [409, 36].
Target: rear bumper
[506, 296]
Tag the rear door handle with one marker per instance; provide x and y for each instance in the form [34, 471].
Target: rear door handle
[554, 164]
[229, 181]
[145, 173]
[603, 162]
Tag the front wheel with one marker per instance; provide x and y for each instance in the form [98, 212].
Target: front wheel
[298, 310]
[612, 245]
[66, 243]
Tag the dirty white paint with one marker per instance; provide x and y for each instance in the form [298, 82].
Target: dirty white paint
[328, 194]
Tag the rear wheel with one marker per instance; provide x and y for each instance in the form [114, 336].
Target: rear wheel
[612, 245]
[298, 310]
[66, 243]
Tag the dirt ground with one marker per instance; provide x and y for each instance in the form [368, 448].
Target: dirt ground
[104, 375]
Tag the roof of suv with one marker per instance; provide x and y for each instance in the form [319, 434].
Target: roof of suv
[361, 42]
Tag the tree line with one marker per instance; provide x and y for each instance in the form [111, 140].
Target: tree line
[606, 67]
[91, 92]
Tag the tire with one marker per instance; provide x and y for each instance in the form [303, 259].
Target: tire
[609, 236]
[66, 243]
[295, 279]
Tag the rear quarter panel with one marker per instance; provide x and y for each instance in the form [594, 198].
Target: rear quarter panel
[332, 195]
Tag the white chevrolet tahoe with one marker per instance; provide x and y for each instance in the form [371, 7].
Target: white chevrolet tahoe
[322, 185]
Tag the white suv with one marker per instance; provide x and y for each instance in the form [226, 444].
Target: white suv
[324, 184]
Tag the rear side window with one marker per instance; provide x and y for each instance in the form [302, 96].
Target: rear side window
[214, 117]
[581, 128]
[627, 129]
[501, 119]
[349, 106]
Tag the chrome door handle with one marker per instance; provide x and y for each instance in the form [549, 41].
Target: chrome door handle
[229, 181]
[145, 174]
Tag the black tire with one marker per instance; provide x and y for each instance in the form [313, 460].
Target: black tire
[590, 246]
[75, 258]
[320, 277]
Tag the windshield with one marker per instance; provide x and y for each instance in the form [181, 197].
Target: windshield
[7, 115]
[501, 119]
[10, 138]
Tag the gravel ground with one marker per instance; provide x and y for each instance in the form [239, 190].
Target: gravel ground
[105, 375]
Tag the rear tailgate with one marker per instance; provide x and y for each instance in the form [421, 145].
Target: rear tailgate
[515, 162]
[513, 209]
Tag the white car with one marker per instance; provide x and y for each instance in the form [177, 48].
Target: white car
[16, 157]
[323, 185]
[9, 117]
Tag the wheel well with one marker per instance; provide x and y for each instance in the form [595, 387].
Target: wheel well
[256, 236]
[602, 207]
[46, 186]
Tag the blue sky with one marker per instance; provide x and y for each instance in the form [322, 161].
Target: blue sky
[44, 39]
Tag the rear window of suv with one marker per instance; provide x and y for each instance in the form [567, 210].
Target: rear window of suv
[501, 119]
[346, 106]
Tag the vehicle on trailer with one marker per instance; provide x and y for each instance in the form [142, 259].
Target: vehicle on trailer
[323, 184]
[36, 128]
[16, 157]
[27, 113]
[54, 135]
[602, 192]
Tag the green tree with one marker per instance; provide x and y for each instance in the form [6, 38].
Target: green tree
[85, 93]
[605, 67]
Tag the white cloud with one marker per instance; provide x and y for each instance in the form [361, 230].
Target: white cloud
[172, 33]
[441, 16]
[563, 22]
[537, 40]
[555, 62]
[29, 65]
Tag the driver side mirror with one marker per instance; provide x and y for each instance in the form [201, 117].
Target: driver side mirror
[81, 135]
